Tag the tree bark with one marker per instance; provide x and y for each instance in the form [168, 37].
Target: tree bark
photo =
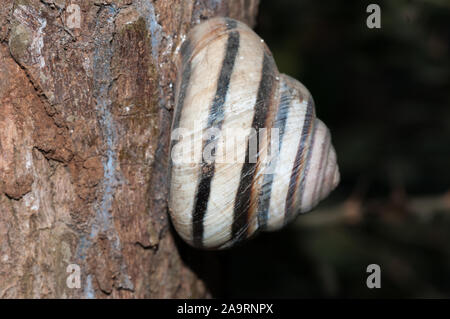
[85, 113]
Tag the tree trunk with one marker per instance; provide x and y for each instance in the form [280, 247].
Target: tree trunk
[86, 99]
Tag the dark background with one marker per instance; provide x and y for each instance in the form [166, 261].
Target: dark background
[385, 95]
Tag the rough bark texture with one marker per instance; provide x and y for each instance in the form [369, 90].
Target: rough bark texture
[84, 129]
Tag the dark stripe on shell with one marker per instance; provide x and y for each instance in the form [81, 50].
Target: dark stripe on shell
[215, 119]
[300, 163]
[231, 23]
[306, 169]
[322, 166]
[266, 189]
[246, 189]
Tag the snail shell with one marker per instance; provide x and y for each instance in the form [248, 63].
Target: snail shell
[228, 81]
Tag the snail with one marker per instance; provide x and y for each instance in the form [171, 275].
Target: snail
[282, 162]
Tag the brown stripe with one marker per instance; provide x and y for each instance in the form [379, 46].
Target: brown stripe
[306, 170]
[319, 181]
[243, 202]
[266, 188]
[300, 162]
[215, 119]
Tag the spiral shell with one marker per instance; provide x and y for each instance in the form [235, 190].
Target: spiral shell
[228, 82]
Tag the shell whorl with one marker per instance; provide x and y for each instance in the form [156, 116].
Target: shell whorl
[228, 83]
